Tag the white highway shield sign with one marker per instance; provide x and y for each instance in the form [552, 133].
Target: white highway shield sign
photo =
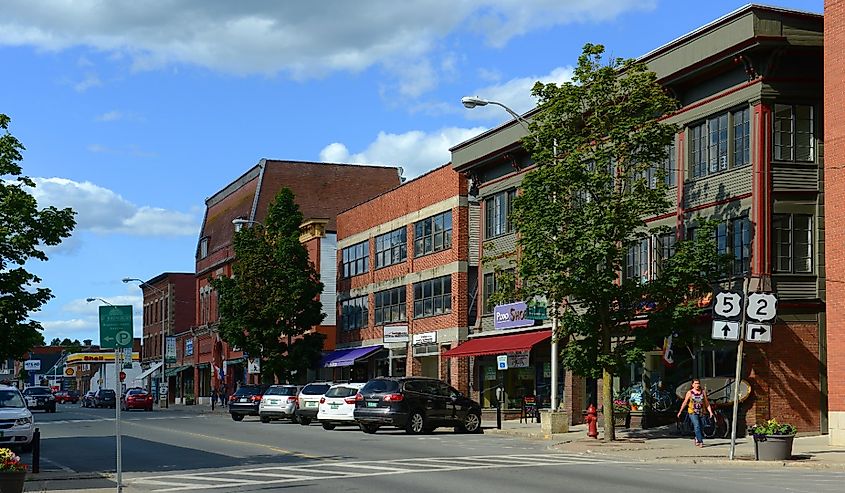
[762, 307]
[728, 304]
[725, 330]
[758, 332]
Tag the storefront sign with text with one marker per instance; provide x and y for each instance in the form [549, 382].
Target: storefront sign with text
[511, 316]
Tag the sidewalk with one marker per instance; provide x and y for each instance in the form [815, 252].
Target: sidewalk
[664, 445]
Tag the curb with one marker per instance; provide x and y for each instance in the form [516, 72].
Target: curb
[65, 476]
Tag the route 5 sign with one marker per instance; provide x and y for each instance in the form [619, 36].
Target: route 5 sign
[762, 307]
[728, 304]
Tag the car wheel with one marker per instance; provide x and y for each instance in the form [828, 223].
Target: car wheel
[368, 428]
[328, 426]
[294, 419]
[470, 424]
[265, 419]
[238, 417]
[304, 421]
[416, 423]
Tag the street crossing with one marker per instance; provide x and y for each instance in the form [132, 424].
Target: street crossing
[332, 469]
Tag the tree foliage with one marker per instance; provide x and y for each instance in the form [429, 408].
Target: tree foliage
[598, 141]
[270, 303]
[24, 231]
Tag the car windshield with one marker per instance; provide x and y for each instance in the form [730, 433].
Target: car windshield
[107, 393]
[11, 398]
[315, 389]
[377, 386]
[249, 390]
[341, 392]
[37, 391]
[281, 391]
[137, 392]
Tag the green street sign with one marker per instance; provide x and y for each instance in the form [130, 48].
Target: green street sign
[116, 326]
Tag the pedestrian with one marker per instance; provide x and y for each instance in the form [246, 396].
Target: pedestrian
[695, 402]
[213, 398]
[223, 401]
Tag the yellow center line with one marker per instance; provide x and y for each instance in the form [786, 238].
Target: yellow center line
[229, 440]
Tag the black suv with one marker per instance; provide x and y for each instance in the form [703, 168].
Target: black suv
[246, 400]
[40, 398]
[417, 404]
[105, 398]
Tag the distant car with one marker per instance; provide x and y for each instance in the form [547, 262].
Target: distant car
[65, 396]
[417, 404]
[246, 401]
[136, 399]
[337, 406]
[15, 419]
[309, 401]
[88, 399]
[105, 398]
[279, 402]
[40, 398]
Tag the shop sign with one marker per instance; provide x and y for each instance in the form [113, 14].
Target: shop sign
[395, 333]
[547, 370]
[254, 366]
[489, 373]
[189, 347]
[170, 349]
[518, 360]
[32, 365]
[511, 316]
[70, 371]
[538, 309]
[425, 338]
[502, 362]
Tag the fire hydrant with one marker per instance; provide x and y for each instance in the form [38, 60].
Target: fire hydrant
[592, 422]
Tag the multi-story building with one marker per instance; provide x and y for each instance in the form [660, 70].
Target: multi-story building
[834, 239]
[406, 281]
[749, 155]
[321, 190]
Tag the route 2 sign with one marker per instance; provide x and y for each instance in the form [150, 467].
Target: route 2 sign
[762, 307]
[725, 330]
[728, 304]
[758, 332]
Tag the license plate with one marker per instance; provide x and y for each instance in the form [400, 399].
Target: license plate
[272, 402]
[244, 399]
[311, 404]
[334, 406]
[372, 404]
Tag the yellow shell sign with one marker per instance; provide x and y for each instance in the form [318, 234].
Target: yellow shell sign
[70, 372]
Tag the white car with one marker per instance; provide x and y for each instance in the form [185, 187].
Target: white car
[338, 405]
[15, 419]
[278, 402]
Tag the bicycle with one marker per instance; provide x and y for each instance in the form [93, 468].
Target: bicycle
[716, 427]
[660, 400]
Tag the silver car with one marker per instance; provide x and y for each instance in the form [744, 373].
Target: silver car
[278, 402]
[15, 419]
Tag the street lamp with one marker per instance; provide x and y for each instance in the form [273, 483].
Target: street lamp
[240, 222]
[471, 102]
[163, 338]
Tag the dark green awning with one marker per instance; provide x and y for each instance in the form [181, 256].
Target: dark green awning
[176, 369]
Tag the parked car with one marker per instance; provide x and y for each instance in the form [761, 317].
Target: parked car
[246, 400]
[40, 398]
[417, 404]
[337, 406]
[88, 399]
[309, 401]
[16, 428]
[136, 398]
[105, 398]
[65, 396]
[278, 402]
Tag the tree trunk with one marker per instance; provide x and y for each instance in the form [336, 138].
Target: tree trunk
[607, 403]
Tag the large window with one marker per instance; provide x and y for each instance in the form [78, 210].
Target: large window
[741, 244]
[497, 210]
[433, 297]
[793, 133]
[669, 167]
[356, 259]
[390, 306]
[354, 313]
[721, 142]
[637, 261]
[433, 234]
[494, 283]
[665, 249]
[793, 243]
[391, 248]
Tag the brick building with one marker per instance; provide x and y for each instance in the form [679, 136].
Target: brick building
[322, 191]
[406, 273]
[749, 155]
[834, 126]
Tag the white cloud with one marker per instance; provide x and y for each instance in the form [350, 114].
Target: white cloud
[90, 80]
[417, 152]
[83, 306]
[110, 116]
[301, 39]
[103, 211]
[86, 324]
[516, 93]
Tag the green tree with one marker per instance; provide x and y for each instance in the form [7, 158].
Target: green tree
[270, 303]
[24, 231]
[597, 140]
[56, 342]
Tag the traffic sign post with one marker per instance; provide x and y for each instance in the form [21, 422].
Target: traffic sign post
[758, 332]
[728, 305]
[502, 361]
[116, 326]
[725, 330]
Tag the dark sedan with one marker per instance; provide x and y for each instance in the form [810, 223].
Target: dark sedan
[246, 400]
[105, 398]
[40, 398]
[416, 404]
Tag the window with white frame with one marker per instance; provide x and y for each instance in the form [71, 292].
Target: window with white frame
[392, 247]
[793, 243]
[356, 259]
[433, 297]
[793, 133]
[354, 313]
[638, 261]
[204, 248]
[721, 142]
[497, 210]
[433, 234]
[741, 137]
[390, 306]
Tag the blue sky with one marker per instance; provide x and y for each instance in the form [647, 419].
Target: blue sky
[134, 112]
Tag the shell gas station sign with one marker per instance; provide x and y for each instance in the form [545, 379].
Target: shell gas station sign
[87, 358]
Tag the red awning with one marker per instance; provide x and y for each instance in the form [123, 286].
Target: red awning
[515, 343]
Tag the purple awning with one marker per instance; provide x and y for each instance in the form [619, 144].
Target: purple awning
[347, 357]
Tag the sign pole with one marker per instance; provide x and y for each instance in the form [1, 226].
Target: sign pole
[738, 372]
[118, 357]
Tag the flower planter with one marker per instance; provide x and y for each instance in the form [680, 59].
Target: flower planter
[622, 420]
[773, 447]
[12, 482]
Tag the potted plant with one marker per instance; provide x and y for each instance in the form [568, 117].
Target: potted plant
[12, 472]
[621, 413]
[772, 440]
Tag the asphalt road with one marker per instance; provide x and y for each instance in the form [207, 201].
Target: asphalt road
[183, 451]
